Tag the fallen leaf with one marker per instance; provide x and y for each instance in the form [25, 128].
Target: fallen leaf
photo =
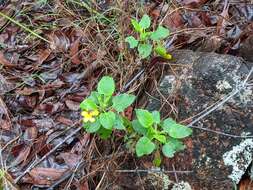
[59, 41]
[192, 3]
[71, 159]
[4, 61]
[79, 147]
[5, 121]
[43, 55]
[74, 49]
[30, 134]
[245, 184]
[23, 154]
[83, 185]
[222, 21]
[44, 176]
[129, 113]
[174, 21]
[74, 106]
[64, 120]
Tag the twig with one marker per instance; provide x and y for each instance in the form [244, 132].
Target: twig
[100, 182]
[221, 133]
[147, 171]
[219, 103]
[213, 108]
[175, 174]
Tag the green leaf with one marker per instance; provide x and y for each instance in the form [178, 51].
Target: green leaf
[156, 116]
[144, 117]
[104, 133]
[107, 119]
[94, 96]
[171, 147]
[144, 36]
[151, 132]
[132, 41]
[160, 138]
[119, 123]
[176, 130]
[160, 50]
[88, 104]
[106, 86]
[92, 127]
[136, 25]
[122, 101]
[144, 50]
[176, 144]
[138, 128]
[144, 146]
[145, 22]
[168, 150]
[160, 33]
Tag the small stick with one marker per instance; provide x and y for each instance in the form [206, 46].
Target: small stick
[147, 171]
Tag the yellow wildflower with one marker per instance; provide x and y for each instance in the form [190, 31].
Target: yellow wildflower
[89, 116]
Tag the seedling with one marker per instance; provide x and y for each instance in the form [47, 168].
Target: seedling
[101, 113]
[155, 133]
[101, 110]
[148, 41]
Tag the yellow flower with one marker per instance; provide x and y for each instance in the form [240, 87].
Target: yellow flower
[89, 116]
[94, 113]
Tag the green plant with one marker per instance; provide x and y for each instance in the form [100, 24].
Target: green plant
[147, 40]
[155, 134]
[147, 133]
[101, 110]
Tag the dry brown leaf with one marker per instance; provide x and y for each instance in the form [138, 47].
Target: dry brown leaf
[192, 3]
[43, 55]
[74, 49]
[23, 154]
[71, 159]
[64, 120]
[4, 61]
[174, 21]
[246, 184]
[44, 176]
[5, 121]
[59, 41]
[222, 22]
[30, 133]
[74, 106]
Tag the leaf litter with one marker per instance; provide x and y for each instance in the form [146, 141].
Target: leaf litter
[42, 83]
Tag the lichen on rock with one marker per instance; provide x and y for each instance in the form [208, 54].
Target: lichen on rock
[239, 158]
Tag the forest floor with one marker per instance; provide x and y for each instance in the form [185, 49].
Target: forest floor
[52, 55]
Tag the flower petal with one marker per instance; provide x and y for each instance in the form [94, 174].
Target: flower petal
[84, 113]
[92, 120]
[94, 113]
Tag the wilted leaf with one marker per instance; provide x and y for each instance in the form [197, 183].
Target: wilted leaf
[4, 61]
[22, 156]
[45, 176]
[71, 159]
[74, 49]
[59, 41]
[5, 121]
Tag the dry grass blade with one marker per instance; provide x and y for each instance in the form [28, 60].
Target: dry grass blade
[24, 27]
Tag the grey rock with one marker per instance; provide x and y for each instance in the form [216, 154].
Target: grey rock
[217, 161]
